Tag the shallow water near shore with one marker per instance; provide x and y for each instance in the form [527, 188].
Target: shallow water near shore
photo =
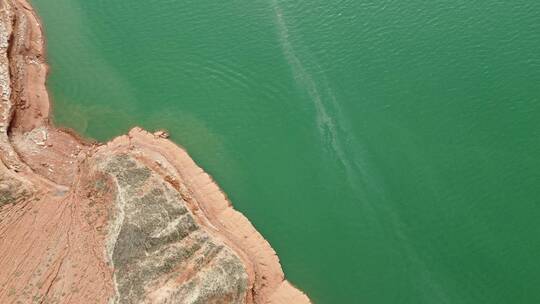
[388, 151]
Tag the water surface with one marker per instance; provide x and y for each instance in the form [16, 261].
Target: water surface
[388, 150]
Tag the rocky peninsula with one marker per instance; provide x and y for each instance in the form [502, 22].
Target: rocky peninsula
[133, 220]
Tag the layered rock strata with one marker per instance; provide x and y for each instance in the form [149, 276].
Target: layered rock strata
[134, 220]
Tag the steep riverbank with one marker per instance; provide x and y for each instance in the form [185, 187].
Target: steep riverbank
[132, 220]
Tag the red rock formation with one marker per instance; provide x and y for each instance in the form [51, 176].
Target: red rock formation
[134, 220]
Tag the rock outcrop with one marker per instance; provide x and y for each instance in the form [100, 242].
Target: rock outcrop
[134, 220]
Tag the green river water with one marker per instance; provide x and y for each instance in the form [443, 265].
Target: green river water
[388, 150]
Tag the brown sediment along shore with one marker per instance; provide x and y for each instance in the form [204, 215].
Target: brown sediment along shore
[134, 220]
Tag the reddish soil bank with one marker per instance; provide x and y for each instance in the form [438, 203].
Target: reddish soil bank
[134, 220]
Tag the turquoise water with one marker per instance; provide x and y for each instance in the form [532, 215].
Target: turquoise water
[389, 151]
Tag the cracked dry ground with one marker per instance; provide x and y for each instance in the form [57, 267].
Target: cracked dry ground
[134, 220]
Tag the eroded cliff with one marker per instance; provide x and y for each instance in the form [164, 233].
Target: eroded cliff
[134, 220]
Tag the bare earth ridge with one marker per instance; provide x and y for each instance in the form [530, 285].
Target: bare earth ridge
[134, 220]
